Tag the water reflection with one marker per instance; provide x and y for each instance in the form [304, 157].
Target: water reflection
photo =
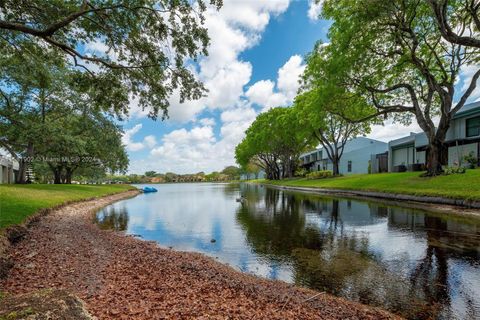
[334, 245]
[418, 264]
[113, 218]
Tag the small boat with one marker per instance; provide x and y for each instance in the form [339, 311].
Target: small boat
[149, 189]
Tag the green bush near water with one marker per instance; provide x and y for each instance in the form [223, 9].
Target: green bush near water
[17, 202]
[471, 160]
[322, 174]
[455, 170]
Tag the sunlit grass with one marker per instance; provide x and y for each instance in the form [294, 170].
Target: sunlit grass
[17, 202]
[458, 186]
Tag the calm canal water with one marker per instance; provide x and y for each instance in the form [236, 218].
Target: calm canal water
[415, 263]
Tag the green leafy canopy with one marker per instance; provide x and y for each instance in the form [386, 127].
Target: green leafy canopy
[140, 48]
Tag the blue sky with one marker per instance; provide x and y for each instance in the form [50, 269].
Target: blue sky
[251, 42]
[255, 59]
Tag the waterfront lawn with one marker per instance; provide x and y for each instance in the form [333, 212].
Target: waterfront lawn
[17, 202]
[458, 186]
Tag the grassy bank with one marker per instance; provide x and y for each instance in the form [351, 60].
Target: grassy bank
[17, 202]
[457, 186]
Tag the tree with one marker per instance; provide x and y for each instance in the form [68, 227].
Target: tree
[39, 96]
[30, 91]
[330, 130]
[274, 142]
[251, 168]
[453, 15]
[81, 141]
[232, 172]
[213, 176]
[319, 105]
[139, 47]
[150, 173]
[392, 53]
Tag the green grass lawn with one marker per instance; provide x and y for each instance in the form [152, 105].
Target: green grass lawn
[17, 202]
[458, 186]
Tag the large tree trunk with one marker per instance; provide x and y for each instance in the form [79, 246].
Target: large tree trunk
[57, 177]
[68, 175]
[57, 174]
[23, 164]
[292, 167]
[335, 164]
[22, 172]
[435, 155]
[437, 152]
[268, 173]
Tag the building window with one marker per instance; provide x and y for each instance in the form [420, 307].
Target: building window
[473, 127]
[318, 167]
[349, 169]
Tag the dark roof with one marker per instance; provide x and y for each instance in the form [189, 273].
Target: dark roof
[468, 109]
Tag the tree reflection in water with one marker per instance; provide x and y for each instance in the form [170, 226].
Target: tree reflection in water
[328, 244]
[113, 218]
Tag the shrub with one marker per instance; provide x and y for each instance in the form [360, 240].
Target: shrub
[400, 168]
[416, 167]
[454, 170]
[302, 172]
[471, 160]
[320, 174]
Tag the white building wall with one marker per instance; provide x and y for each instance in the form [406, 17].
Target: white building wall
[360, 158]
[421, 157]
[358, 151]
[399, 157]
[457, 153]
[7, 174]
[7, 170]
[404, 156]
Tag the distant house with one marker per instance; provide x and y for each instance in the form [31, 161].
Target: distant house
[157, 180]
[407, 152]
[463, 138]
[357, 156]
[252, 176]
[8, 170]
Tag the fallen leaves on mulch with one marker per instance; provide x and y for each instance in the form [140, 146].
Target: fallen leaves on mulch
[43, 305]
[122, 277]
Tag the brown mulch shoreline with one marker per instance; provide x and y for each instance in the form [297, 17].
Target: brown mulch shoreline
[120, 277]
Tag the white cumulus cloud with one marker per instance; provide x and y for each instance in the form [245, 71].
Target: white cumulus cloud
[289, 75]
[262, 93]
[197, 149]
[147, 142]
[390, 130]
[237, 27]
[265, 94]
[314, 9]
[233, 29]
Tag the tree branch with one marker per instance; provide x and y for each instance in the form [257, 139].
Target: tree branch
[51, 29]
[440, 10]
[467, 93]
